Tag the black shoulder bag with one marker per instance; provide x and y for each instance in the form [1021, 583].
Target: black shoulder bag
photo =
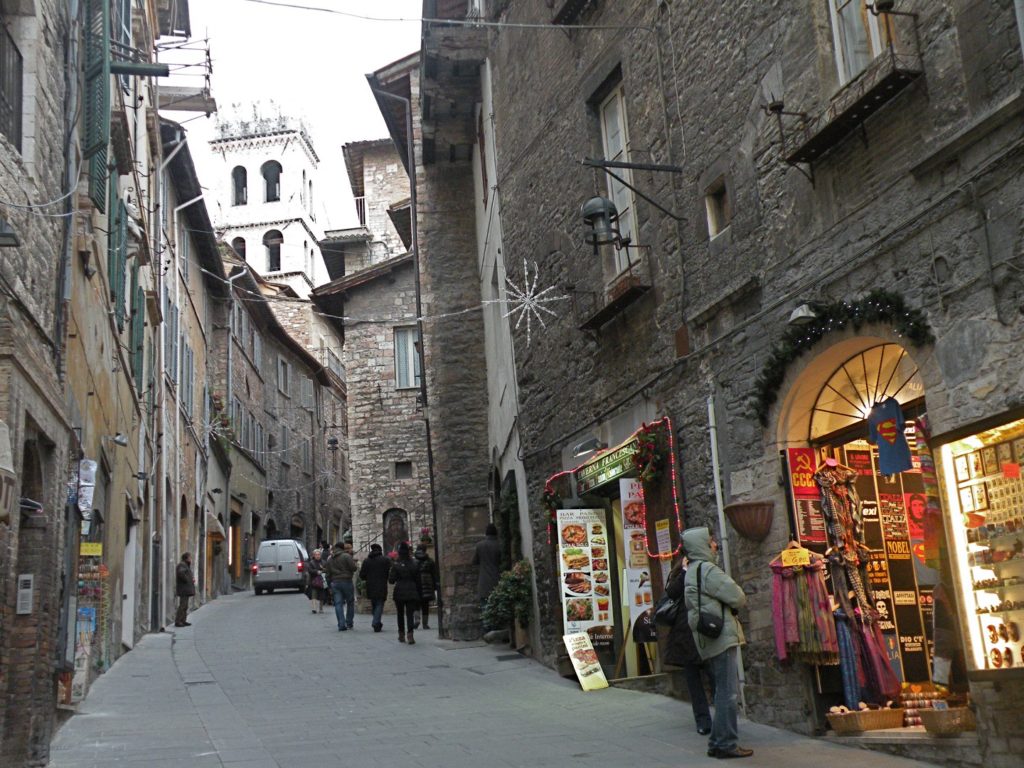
[708, 624]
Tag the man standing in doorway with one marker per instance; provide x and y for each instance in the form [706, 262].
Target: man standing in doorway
[488, 557]
[339, 572]
[184, 588]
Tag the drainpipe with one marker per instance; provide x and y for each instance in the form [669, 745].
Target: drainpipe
[411, 172]
[716, 470]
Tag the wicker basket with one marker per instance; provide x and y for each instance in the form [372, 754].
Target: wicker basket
[866, 720]
[948, 722]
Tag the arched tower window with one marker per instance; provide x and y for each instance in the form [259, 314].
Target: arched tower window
[271, 171]
[302, 189]
[272, 242]
[311, 196]
[239, 186]
[239, 245]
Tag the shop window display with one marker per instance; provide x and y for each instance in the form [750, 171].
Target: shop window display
[985, 496]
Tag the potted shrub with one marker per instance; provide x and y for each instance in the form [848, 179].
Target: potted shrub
[511, 601]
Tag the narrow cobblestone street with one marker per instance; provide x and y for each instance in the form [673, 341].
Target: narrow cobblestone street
[260, 682]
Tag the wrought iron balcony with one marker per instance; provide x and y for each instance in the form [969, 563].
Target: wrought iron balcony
[883, 79]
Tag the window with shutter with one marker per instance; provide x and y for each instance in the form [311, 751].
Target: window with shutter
[615, 138]
[307, 392]
[96, 133]
[138, 327]
[407, 363]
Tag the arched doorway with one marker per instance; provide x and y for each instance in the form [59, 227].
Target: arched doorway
[848, 421]
[396, 529]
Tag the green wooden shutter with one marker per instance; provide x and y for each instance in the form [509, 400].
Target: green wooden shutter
[96, 133]
[138, 326]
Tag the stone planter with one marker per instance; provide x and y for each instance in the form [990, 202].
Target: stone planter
[520, 636]
[751, 519]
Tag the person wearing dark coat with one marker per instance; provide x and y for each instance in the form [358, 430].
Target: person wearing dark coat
[316, 587]
[405, 575]
[338, 572]
[184, 589]
[428, 582]
[375, 571]
[681, 651]
[488, 557]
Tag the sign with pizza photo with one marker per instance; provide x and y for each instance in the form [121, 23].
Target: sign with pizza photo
[584, 572]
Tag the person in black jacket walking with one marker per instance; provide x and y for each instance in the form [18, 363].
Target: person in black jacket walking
[428, 582]
[405, 575]
[184, 589]
[682, 652]
[375, 571]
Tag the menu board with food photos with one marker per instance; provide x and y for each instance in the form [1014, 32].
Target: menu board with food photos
[584, 569]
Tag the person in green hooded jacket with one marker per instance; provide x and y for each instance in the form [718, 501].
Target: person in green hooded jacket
[717, 589]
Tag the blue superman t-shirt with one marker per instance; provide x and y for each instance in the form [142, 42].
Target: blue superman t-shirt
[885, 429]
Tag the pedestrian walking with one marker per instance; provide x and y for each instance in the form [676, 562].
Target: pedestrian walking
[338, 572]
[375, 571]
[405, 575]
[488, 557]
[709, 589]
[428, 582]
[316, 590]
[184, 589]
[681, 651]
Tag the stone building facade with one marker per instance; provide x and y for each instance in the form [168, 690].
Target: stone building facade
[36, 432]
[376, 294]
[776, 168]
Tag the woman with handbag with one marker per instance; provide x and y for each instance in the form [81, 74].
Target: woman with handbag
[316, 590]
[681, 651]
[708, 591]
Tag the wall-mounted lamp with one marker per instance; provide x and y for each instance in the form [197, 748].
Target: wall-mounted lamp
[881, 6]
[332, 443]
[588, 446]
[119, 439]
[805, 314]
[8, 237]
[216, 490]
[600, 216]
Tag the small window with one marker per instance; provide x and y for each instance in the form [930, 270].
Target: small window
[616, 146]
[239, 186]
[407, 359]
[272, 243]
[184, 250]
[271, 171]
[257, 350]
[284, 375]
[718, 207]
[284, 447]
[311, 196]
[403, 470]
[11, 68]
[858, 36]
[307, 392]
[238, 244]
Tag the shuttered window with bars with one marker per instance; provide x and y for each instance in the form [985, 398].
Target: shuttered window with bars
[96, 128]
[138, 327]
[117, 253]
[11, 68]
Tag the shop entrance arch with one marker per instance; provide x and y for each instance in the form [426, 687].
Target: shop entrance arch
[847, 423]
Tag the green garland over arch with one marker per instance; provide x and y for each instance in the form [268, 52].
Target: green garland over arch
[877, 307]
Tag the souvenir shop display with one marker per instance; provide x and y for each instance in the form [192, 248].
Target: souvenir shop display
[802, 616]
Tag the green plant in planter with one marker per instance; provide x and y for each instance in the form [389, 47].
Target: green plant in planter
[512, 598]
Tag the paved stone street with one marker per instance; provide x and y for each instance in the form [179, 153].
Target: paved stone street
[260, 682]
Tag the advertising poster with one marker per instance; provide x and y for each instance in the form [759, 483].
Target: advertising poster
[636, 574]
[584, 661]
[810, 522]
[584, 571]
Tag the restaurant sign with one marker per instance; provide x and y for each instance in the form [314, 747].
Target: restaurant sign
[607, 467]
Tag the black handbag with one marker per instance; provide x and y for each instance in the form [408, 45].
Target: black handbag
[667, 611]
[708, 624]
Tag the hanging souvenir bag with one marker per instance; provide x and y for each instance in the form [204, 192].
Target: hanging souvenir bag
[709, 623]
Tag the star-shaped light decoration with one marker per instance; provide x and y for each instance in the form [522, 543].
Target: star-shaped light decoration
[528, 302]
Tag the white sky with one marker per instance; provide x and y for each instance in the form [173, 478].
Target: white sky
[312, 64]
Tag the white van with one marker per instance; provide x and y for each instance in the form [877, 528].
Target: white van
[280, 564]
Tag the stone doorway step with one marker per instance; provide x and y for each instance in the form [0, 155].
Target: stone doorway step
[917, 744]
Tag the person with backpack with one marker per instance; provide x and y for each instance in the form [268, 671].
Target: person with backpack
[708, 592]
[681, 651]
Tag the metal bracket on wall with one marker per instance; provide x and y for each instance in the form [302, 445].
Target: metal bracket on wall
[608, 165]
[777, 108]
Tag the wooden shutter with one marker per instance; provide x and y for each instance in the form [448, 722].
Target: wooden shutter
[403, 379]
[96, 133]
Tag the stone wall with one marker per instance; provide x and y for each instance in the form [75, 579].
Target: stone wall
[385, 423]
[31, 399]
[935, 173]
[385, 183]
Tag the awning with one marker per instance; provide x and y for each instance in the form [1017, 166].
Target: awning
[213, 527]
